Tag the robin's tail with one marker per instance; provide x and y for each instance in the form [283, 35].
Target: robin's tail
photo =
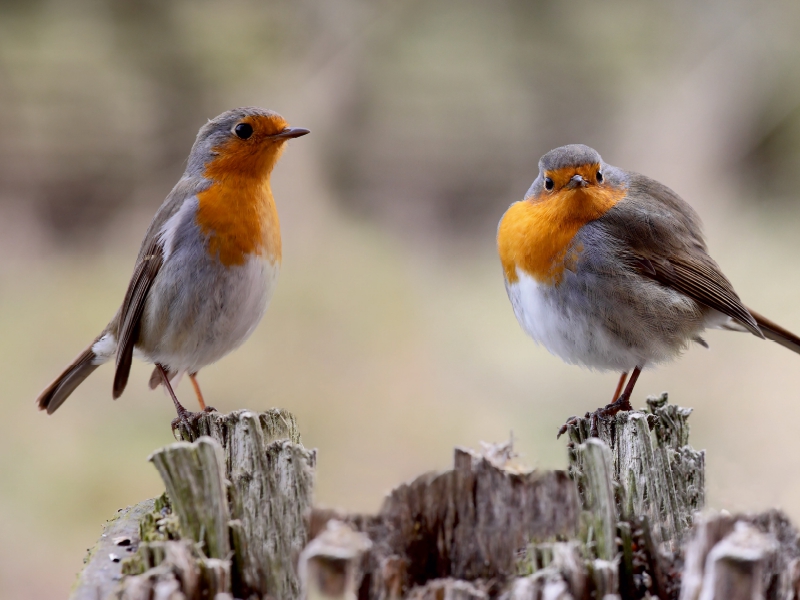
[54, 394]
[776, 333]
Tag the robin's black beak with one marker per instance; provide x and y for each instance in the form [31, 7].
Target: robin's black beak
[291, 132]
[577, 181]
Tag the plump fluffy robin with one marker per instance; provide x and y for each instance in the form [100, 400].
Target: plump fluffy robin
[608, 269]
[207, 266]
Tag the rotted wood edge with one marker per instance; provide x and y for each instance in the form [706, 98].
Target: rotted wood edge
[119, 540]
[456, 533]
[656, 473]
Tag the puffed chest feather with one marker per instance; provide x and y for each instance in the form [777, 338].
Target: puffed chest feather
[198, 308]
[602, 314]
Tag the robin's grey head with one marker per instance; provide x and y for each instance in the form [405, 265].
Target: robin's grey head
[572, 166]
[240, 137]
[571, 155]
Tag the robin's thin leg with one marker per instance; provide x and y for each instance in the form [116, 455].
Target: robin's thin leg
[624, 401]
[196, 386]
[621, 383]
[621, 403]
[200, 399]
[183, 414]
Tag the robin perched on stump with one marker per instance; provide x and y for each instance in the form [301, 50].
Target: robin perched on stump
[207, 266]
[608, 269]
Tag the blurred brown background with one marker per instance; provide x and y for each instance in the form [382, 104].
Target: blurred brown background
[390, 335]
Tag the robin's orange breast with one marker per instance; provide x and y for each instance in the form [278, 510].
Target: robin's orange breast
[238, 211]
[535, 235]
[241, 220]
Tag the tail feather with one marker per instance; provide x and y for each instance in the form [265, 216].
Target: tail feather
[173, 376]
[57, 392]
[155, 378]
[776, 333]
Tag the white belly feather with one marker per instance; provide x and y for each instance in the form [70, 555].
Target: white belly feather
[577, 337]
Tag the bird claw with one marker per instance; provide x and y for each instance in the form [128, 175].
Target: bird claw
[184, 422]
[573, 420]
[621, 404]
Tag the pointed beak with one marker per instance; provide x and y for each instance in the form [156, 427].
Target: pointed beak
[291, 132]
[577, 181]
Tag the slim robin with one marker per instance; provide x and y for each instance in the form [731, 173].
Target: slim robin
[608, 269]
[207, 266]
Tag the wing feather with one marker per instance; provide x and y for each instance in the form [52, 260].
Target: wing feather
[660, 233]
[145, 272]
[705, 284]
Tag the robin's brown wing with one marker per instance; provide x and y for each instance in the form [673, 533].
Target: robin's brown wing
[151, 256]
[663, 241]
[702, 281]
[147, 267]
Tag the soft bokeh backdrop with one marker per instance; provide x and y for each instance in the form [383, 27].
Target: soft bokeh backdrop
[390, 336]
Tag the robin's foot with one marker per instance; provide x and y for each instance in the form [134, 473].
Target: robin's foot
[571, 421]
[185, 421]
[621, 404]
[184, 424]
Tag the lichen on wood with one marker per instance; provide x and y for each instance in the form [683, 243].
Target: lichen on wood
[617, 525]
[659, 475]
[595, 481]
[120, 539]
[239, 492]
[195, 479]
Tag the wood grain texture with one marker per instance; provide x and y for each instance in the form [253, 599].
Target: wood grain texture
[103, 569]
[239, 486]
[618, 525]
[195, 480]
[659, 475]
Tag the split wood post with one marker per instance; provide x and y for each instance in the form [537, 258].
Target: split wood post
[194, 474]
[237, 522]
[330, 565]
[733, 557]
[656, 474]
[232, 522]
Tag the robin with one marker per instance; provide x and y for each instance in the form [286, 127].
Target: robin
[207, 266]
[608, 269]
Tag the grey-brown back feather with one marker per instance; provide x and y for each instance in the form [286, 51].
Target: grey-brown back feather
[666, 244]
[132, 308]
[127, 321]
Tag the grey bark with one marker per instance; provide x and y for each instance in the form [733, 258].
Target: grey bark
[196, 485]
[659, 475]
[237, 522]
[103, 569]
[238, 490]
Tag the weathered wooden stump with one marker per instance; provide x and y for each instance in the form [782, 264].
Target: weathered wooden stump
[237, 521]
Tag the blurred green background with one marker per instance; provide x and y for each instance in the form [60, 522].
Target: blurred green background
[390, 335]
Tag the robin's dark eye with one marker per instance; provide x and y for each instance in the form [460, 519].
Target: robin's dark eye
[599, 177]
[548, 183]
[243, 130]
